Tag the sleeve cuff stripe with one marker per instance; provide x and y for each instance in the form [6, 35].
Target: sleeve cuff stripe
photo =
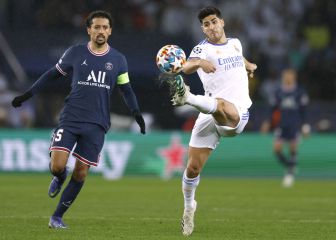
[60, 70]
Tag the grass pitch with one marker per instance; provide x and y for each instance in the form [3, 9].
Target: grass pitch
[149, 208]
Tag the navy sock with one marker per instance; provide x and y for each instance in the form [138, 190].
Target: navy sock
[282, 158]
[292, 163]
[68, 197]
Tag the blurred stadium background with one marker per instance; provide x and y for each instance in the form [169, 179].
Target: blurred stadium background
[35, 33]
[274, 33]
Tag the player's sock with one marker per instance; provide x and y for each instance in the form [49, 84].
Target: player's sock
[282, 159]
[292, 163]
[204, 104]
[189, 186]
[68, 197]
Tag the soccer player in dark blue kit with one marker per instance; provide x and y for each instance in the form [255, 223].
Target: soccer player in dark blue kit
[290, 101]
[95, 68]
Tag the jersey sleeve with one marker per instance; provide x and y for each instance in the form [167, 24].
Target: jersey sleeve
[198, 52]
[237, 45]
[64, 65]
[123, 71]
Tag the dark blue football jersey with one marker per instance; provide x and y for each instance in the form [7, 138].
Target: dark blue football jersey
[93, 79]
[292, 105]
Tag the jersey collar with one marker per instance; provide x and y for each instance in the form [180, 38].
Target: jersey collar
[98, 54]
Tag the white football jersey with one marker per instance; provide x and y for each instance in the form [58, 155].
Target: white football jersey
[230, 80]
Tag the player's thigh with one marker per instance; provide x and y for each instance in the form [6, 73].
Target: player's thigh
[278, 140]
[58, 160]
[90, 144]
[197, 158]
[227, 131]
[226, 114]
[80, 171]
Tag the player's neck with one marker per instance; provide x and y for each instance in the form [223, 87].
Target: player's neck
[98, 48]
[222, 40]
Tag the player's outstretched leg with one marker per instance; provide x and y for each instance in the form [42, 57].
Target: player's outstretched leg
[57, 223]
[181, 91]
[56, 183]
[182, 95]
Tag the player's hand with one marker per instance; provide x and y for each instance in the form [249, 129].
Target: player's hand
[265, 127]
[306, 129]
[207, 66]
[17, 101]
[251, 67]
[140, 121]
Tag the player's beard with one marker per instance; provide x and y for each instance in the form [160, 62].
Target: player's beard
[100, 40]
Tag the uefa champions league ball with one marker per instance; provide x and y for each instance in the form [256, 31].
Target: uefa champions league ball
[170, 59]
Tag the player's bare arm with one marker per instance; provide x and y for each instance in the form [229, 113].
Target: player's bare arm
[250, 67]
[193, 64]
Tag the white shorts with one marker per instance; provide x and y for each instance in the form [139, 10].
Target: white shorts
[206, 133]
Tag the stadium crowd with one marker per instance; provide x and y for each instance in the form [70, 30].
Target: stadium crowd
[275, 34]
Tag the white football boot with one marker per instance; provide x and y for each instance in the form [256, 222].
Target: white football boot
[188, 220]
[181, 91]
[288, 181]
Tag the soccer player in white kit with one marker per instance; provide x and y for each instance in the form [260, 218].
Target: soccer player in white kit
[222, 68]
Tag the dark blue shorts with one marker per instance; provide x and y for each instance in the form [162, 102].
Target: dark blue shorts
[287, 133]
[86, 140]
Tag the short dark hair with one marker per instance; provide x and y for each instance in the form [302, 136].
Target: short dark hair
[207, 11]
[98, 14]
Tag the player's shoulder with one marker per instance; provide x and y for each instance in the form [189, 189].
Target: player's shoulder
[197, 49]
[232, 40]
[76, 48]
[79, 46]
[115, 52]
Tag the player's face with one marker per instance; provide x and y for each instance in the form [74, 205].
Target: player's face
[99, 31]
[213, 28]
[288, 79]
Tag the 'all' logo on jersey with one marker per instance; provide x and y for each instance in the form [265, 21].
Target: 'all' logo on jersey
[100, 78]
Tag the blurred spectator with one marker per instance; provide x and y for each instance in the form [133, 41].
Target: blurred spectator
[174, 19]
[10, 117]
[301, 34]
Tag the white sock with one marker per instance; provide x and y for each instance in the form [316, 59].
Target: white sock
[204, 104]
[189, 186]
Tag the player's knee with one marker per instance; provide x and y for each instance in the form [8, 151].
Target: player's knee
[56, 168]
[79, 176]
[193, 171]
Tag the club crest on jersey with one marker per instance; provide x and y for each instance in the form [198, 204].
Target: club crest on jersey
[108, 66]
[197, 50]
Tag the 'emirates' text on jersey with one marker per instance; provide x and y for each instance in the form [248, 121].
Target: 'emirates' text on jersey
[93, 79]
[230, 80]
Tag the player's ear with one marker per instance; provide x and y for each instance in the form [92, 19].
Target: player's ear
[88, 30]
[202, 28]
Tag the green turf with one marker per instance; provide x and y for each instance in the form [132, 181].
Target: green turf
[149, 208]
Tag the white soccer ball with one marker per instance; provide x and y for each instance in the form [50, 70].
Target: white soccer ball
[170, 59]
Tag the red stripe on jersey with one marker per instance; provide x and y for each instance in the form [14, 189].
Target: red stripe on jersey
[59, 149]
[85, 161]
